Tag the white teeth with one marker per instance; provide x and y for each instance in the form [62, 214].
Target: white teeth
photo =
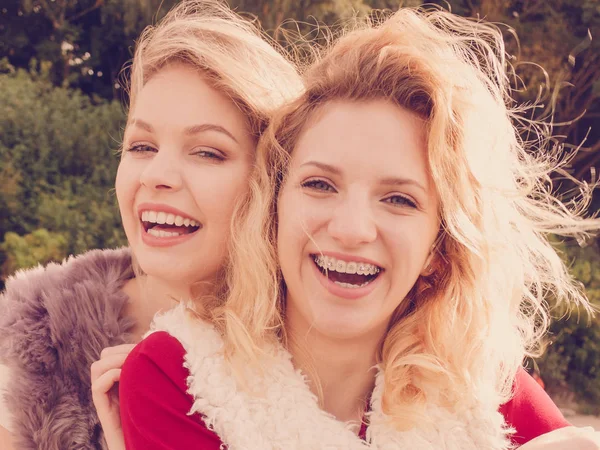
[161, 217]
[351, 267]
[162, 233]
[350, 286]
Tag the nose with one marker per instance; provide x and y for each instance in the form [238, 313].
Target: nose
[352, 223]
[163, 171]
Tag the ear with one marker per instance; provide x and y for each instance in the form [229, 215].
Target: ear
[429, 266]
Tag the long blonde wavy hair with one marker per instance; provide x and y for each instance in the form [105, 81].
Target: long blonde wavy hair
[233, 54]
[460, 335]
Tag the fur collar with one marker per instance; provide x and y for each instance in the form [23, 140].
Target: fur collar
[288, 417]
[54, 322]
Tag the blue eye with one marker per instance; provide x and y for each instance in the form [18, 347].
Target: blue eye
[400, 200]
[210, 154]
[318, 185]
[141, 148]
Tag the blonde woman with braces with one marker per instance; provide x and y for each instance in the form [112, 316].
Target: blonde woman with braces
[204, 82]
[387, 272]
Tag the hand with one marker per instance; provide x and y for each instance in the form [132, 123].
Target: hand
[105, 375]
[568, 438]
[6, 442]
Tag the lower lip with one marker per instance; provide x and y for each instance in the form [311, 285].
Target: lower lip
[167, 241]
[343, 292]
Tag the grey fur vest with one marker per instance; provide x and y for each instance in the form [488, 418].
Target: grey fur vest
[54, 322]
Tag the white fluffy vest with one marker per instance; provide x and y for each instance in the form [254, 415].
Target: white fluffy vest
[288, 417]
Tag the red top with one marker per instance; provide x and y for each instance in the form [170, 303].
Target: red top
[155, 402]
[531, 412]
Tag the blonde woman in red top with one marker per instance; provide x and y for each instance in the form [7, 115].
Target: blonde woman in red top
[387, 272]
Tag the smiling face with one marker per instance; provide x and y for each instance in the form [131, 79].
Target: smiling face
[358, 201]
[187, 155]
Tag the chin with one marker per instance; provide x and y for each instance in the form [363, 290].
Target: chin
[345, 333]
[341, 326]
[170, 270]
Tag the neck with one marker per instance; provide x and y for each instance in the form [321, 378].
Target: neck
[149, 295]
[158, 289]
[341, 371]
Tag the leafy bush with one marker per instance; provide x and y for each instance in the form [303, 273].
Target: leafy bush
[571, 364]
[38, 247]
[57, 167]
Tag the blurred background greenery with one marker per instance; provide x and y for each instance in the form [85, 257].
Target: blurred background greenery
[61, 119]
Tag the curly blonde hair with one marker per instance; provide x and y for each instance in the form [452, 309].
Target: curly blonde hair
[461, 334]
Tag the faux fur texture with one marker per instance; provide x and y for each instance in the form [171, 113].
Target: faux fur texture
[54, 322]
[287, 416]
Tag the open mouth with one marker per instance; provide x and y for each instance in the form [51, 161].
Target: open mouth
[348, 274]
[164, 225]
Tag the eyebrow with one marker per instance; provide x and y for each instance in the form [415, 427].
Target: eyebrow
[195, 129]
[189, 131]
[390, 181]
[402, 182]
[324, 167]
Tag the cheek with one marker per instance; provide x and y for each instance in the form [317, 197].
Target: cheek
[126, 184]
[217, 190]
[293, 223]
[284, 228]
[290, 232]
[305, 214]
[408, 243]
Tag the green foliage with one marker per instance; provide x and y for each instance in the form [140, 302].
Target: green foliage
[57, 163]
[572, 361]
[37, 247]
[558, 55]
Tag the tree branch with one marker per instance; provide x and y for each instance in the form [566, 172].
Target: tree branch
[471, 7]
[531, 9]
[96, 5]
[50, 14]
[595, 159]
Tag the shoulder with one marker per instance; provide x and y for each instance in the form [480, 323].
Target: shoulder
[5, 417]
[105, 266]
[154, 399]
[54, 322]
[159, 353]
[53, 302]
[530, 411]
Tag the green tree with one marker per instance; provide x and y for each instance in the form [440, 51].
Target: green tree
[86, 41]
[37, 247]
[58, 161]
[556, 54]
[571, 363]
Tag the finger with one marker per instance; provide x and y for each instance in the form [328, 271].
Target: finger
[104, 383]
[123, 348]
[103, 365]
